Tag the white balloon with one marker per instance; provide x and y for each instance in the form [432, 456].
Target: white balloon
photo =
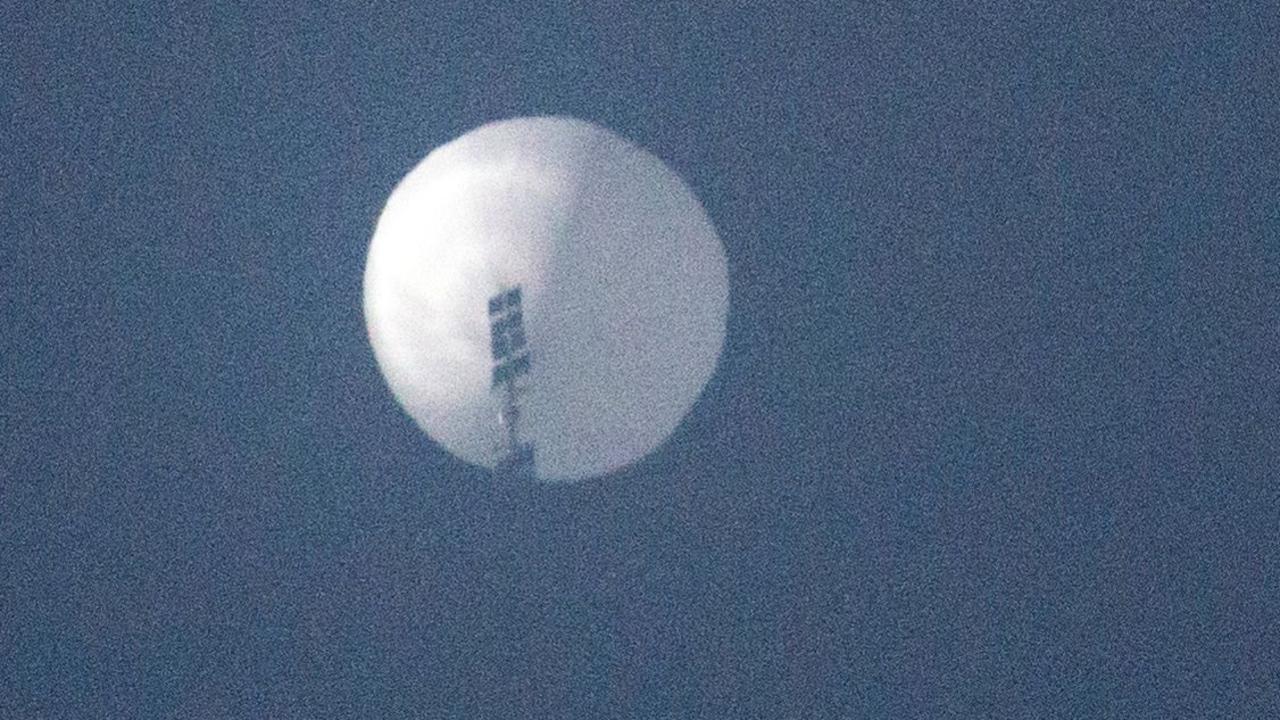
[624, 282]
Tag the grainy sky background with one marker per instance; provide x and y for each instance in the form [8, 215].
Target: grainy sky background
[994, 434]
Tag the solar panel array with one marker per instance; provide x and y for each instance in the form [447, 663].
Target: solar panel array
[507, 338]
[504, 300]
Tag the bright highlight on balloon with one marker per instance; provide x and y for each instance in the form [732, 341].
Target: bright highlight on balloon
[624, 284]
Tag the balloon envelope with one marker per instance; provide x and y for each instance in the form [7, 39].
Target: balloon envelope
[624, 281]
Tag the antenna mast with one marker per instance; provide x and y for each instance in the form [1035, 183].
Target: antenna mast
[510, 363]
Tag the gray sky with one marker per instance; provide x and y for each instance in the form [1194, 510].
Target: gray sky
[993, 434]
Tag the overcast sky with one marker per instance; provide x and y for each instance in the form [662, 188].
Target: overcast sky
[994, 433]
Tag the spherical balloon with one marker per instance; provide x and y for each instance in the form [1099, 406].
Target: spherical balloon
[624, 285]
